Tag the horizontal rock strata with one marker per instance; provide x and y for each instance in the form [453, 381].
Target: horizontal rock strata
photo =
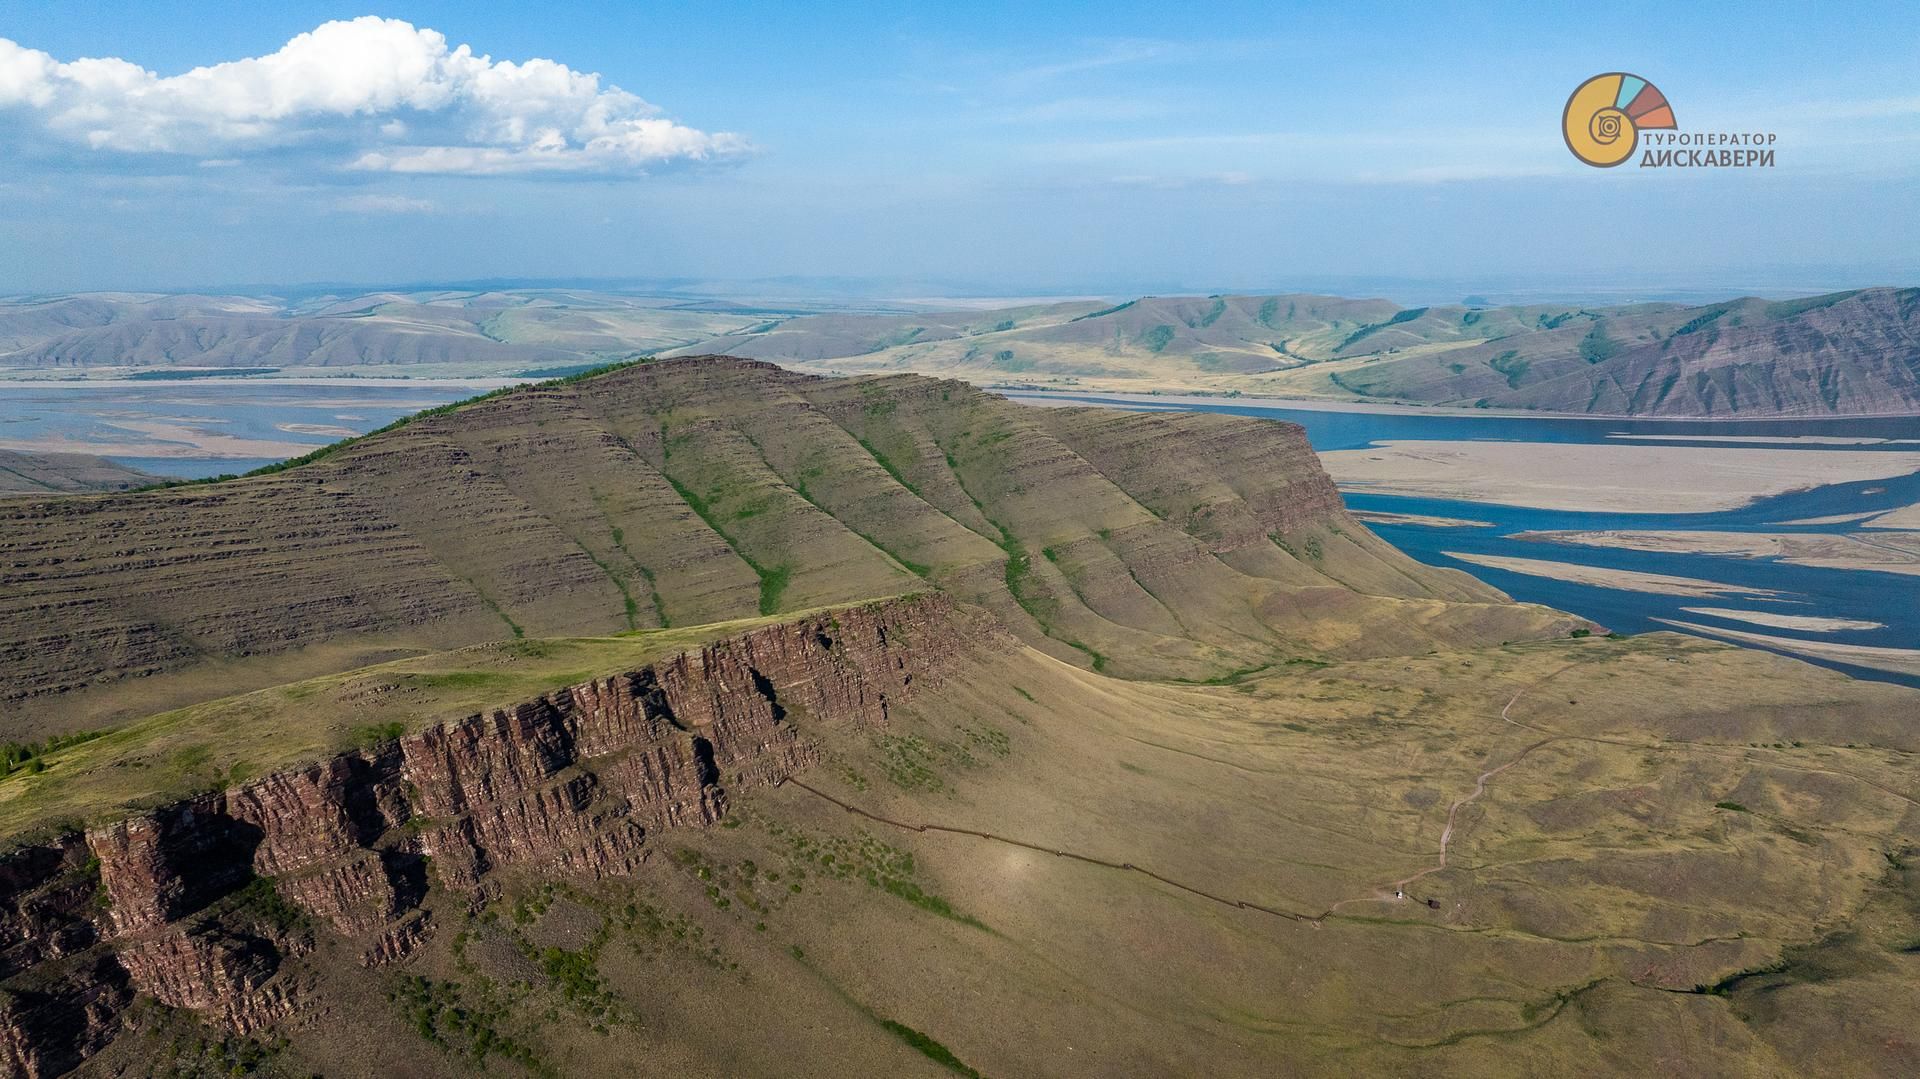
[201, 904]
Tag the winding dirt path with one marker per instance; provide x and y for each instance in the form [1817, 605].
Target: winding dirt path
[1479, 788]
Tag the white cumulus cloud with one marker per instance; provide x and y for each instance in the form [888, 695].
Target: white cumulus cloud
[382, 94]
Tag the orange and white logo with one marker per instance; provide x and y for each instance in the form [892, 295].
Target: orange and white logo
[1606, 114]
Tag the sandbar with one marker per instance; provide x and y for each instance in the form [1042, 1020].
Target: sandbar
[1835, 519]
[1897, 660]
[1904, 517]
[1603, 478]
[1624, 580]
[1888, 553]
[1807, 623]
[1384, 517]
[1779, 440]
[162, 440]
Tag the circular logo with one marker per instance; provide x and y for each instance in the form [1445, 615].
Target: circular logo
[1605, 115]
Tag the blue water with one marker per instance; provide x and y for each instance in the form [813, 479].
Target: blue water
[1889, 598]
[195, 468]
[96, 418]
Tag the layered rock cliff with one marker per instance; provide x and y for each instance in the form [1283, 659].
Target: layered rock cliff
[206, 904]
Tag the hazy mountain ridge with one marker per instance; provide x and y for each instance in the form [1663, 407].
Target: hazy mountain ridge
[485, 332]
[1849, 353]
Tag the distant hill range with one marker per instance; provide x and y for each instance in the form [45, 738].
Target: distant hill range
[1843, 354]
[1848, 353]
[451, 333]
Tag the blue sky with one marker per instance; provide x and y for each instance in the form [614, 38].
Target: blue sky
[1108, 148]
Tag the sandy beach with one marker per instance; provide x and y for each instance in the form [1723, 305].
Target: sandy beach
[1600, 577]
[1806, 623]
[1904, 517]
[1886, 552]
[1897, 660]
[160, 439]
[1607, 478]
[1779, 440]
[1385, 517]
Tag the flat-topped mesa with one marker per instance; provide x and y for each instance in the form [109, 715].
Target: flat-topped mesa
[680, 493]
[169, 903]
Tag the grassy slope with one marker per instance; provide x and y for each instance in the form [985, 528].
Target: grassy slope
[221, 742]
[1590, 891]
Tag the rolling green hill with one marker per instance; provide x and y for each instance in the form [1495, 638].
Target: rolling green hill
[699, 490]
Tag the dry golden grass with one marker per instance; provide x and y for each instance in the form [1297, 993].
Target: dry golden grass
[1662, 814]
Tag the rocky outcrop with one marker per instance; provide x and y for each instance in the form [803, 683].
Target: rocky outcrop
[201, 904]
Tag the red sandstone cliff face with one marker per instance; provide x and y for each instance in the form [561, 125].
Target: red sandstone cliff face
[191, 904]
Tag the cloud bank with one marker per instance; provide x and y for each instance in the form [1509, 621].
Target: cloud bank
[380, 94]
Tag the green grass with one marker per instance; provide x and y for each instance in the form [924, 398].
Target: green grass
[773, 583]
[441, 1013]
[1597, 346]
[886, 462]
[172, 755]
[1790, 308]
[366, 737]
[1157, 339]
[1233, 677]
[30, 757]
[1114, 310]
[931, 1049]
[773, 579]
[1511, 366]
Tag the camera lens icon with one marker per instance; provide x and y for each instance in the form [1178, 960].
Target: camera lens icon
[1608, 125]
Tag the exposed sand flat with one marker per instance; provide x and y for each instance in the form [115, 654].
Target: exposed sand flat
[1835, 519]
[1904, 517]
[1888, 552]
[1383, 517]
[163, 440]
[346, 376]
[1601, 577]
[1805, 622]
[1040, 400]
[1606, 478]
[1783, 440]
[1897, 660]
[1105, 398]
